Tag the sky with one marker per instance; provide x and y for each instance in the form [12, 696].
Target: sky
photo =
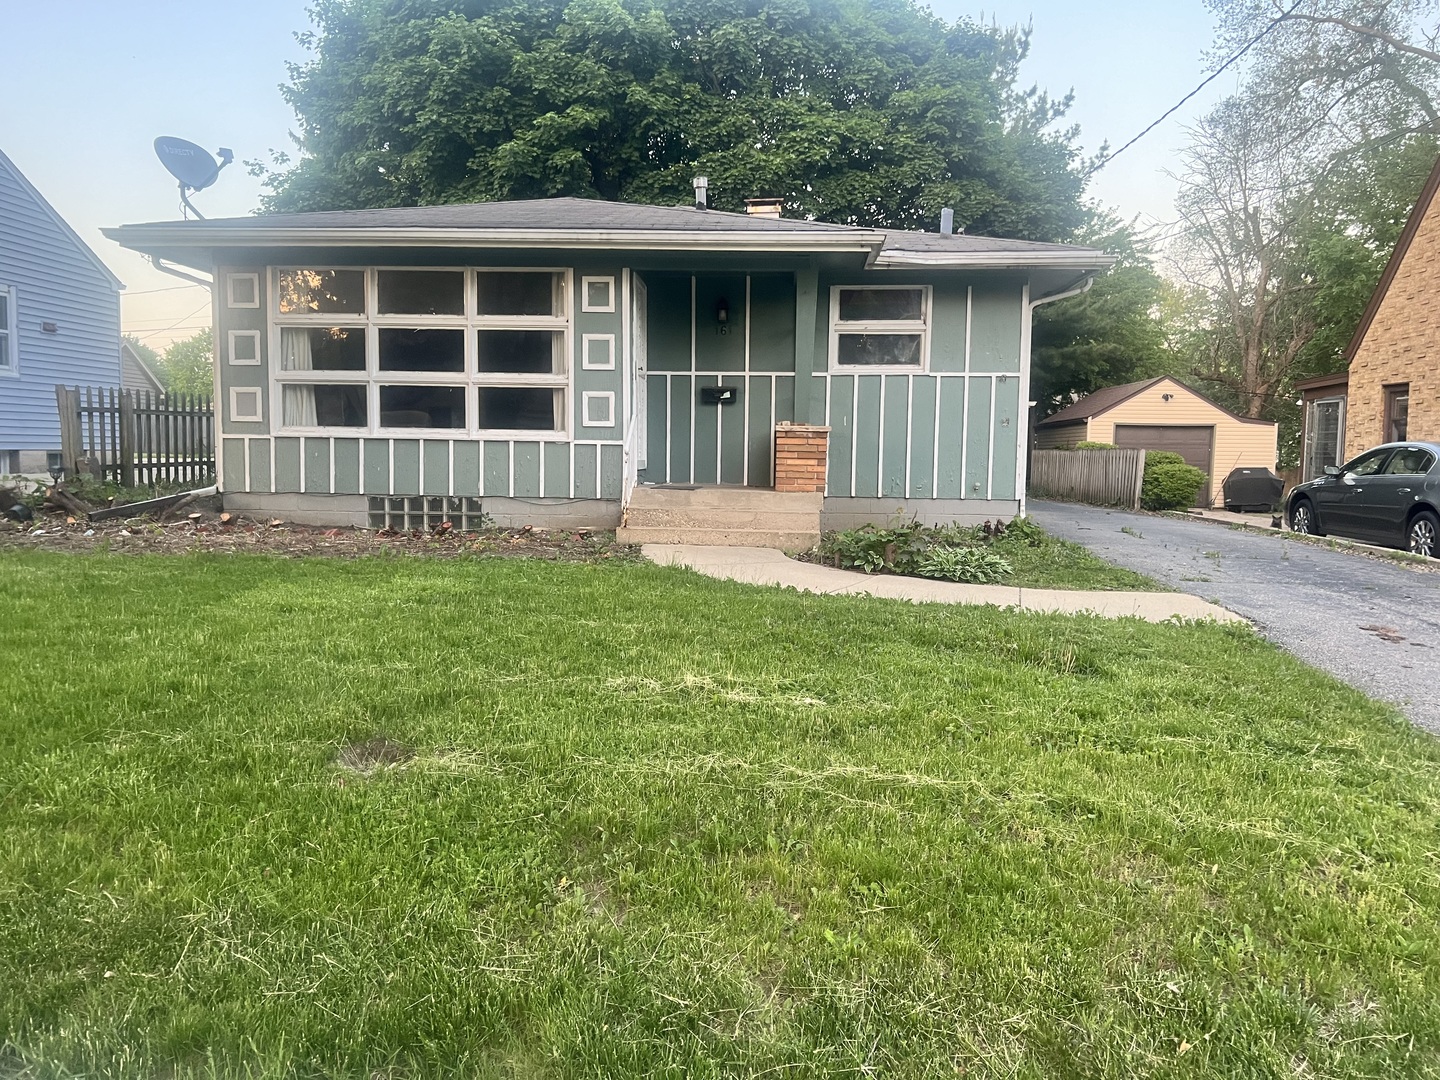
[106, 78]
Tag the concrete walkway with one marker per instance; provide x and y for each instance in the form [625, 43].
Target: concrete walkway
[765, 566]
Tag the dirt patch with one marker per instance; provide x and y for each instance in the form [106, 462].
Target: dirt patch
[206, 533]
[372, 754]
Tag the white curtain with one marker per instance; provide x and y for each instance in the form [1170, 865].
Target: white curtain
[297, 402]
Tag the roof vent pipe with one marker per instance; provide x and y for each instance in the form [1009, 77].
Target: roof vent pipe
[947, 221]
[702, 185]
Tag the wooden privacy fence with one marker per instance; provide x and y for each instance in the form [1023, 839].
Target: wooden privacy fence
[1102, 477]
[135, 436]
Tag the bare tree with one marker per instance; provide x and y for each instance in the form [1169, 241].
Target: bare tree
[1242, 204]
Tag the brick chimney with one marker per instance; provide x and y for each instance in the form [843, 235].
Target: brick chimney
[764, 207]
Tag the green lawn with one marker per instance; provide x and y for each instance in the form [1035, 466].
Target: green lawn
[656, 825]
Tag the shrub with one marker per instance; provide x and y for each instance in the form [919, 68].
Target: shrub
[1094, 446]
[1170, 485]
[973, 565]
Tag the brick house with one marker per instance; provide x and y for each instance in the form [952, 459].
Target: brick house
[1393, 389]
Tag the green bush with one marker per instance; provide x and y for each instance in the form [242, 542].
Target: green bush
[974, 565]
[1170, 485]
[1094, 446]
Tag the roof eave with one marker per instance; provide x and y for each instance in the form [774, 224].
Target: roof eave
[141, 238]
[994, 260]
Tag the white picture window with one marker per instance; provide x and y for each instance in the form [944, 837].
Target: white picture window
[597, 352]
[245, 407]
[597, 294]
[9, 342]
[242, 290]
[880, 328]
[244, 348]
[410, 351]
[597, 408]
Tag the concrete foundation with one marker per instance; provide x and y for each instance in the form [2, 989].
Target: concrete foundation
[358, 511]
[846, 513]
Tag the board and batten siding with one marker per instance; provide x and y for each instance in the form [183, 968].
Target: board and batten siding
[584, 463]
[1238, 443]
[57, 280]
[948, 433]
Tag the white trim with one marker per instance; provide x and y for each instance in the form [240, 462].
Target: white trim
[470, 324]
[902, 327]
[231, 279]
[585, 283]
[586, 340]
[236, 416]
[607, 396]
[234, 336]
[1073, 259]
[10, 367]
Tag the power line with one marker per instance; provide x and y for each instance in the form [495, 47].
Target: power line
[1213, 76]
[147, 292]
[176, 323]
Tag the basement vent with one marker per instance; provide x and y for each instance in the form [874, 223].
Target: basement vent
[426, 512]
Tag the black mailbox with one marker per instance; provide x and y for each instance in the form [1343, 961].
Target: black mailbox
[719, 395]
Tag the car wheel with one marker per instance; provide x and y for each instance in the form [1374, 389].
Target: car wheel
[1424, 535]
[1302, 519]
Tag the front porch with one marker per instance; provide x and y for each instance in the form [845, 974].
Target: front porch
[722, 516]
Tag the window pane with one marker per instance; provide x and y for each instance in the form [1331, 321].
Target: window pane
[1367, 464]
[422, 292]
[882, 305]
[422, 406]
[304, 292]
[323, 406]
[598, 294]
[878, 350]
[522, 352]
[525, 293]
[4, 350]
[422, 350]
[4, 310]
[322, 348]
[526, 408]
[1410, 462]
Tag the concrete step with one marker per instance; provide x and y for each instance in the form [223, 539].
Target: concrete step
[725, 498]
[758, 538]
[640, 517]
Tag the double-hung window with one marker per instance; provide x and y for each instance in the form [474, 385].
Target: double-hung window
[9, 344]
[410, 351]
[879, 327]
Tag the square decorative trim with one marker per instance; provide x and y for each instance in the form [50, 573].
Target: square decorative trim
[597, 294]
[244, 348]
[597, 352]
[245, 406]
[242, 290]
[597, 408]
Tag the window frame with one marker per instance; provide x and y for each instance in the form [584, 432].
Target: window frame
[230, 279]
[469, 323]
[1393, 393]
[235, 335]
[906, 327]
[586, 282]
[10, 364]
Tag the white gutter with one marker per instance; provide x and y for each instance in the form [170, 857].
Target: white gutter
[159, 264]
[994, 260]
[140, 237]
[1022, 435]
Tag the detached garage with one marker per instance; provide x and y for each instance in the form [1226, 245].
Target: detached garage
[1165, 414]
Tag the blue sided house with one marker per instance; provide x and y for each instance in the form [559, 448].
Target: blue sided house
[684, 373]
[59, 322]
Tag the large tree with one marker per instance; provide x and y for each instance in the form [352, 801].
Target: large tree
[867, 112]
[188, 366]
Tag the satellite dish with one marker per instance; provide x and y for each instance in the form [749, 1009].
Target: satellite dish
[190, 164]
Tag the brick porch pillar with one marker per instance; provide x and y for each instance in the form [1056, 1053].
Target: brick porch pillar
[800, 453]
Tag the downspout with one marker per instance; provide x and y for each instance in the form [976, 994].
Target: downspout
[160, 265]
[1022, 435]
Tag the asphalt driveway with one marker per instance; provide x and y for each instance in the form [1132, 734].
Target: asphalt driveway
[1372, 623]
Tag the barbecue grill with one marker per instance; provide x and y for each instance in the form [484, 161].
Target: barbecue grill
[1253, 490]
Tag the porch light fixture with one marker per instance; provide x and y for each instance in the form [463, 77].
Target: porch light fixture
[1166, 397]
[722, 311]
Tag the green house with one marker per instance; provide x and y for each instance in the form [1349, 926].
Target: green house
[562, 361]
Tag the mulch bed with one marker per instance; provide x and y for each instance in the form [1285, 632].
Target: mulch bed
[206, 533]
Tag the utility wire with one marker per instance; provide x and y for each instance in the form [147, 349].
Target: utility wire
[1213, 76]
[147, 292]
[176, 323]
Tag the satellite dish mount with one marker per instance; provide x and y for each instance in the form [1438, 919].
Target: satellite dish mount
[191, 165]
